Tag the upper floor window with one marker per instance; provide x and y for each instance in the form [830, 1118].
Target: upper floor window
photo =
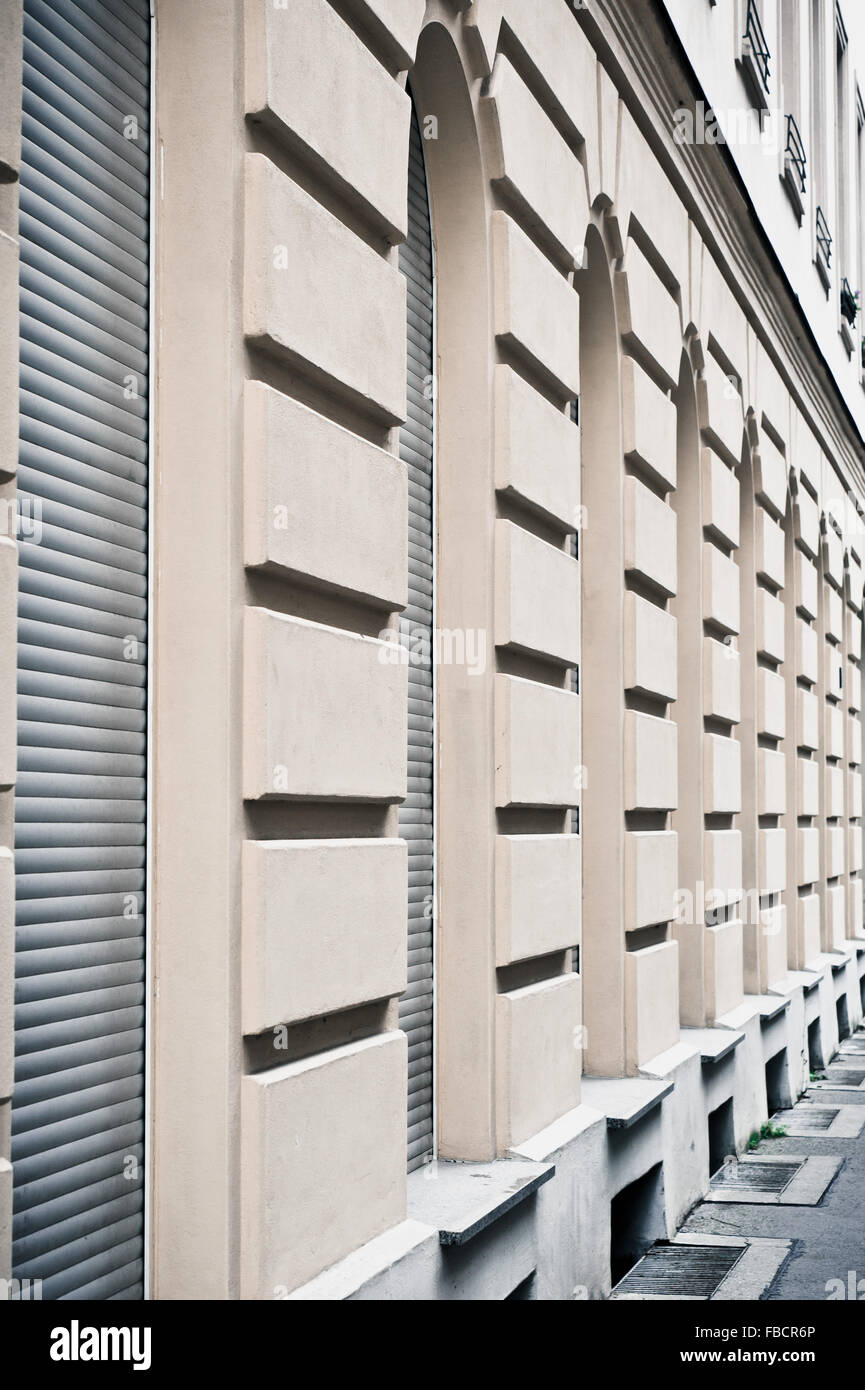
[844, 185]
[795, 160]
[858, 209]
[823, 236]
[756, 57]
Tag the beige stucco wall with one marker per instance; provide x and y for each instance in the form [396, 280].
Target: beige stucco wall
[709, 614]
[280, 374]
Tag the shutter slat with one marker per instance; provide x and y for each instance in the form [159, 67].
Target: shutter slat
[73, 1182]
[61, 1060]
[77, 1109]
[105, 1203]
[85, 1026]
[104, 359]
[65, 21]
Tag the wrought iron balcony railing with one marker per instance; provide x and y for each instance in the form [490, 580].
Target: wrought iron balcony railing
[824, 238]
[754, 46]
[794, 151]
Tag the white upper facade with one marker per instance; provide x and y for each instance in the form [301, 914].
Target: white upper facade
[784, 83]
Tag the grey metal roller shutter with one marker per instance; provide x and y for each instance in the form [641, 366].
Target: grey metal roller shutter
[78, 1106]
[416, 626]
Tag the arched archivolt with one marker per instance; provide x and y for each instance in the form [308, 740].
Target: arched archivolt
[629, 678]
[797, 948]
[835, 700]
[603, 676]
[697, 962]
[462, 388]
[746, 727]
[762, 728]
[853, 744]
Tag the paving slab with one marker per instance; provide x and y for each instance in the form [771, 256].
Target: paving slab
[826, 1241]
[833, 1121]
[788, 1180]
[703, 1268]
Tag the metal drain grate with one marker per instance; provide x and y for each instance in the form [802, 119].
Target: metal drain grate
[692, 1271]
[755, 1177]
[804, 1117]
[845, 1076]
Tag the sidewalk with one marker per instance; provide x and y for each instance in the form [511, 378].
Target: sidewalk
[806, 1189]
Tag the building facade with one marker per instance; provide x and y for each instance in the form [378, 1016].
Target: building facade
[432, 823]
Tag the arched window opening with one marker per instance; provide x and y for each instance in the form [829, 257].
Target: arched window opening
[417, 622]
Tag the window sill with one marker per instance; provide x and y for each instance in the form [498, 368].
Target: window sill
[790, 180]
[462, 1199]
[624, 1100]
[753, 79]
[823, 270]
[713, 1044]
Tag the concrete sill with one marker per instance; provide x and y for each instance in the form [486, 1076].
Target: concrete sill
[807, 979]
[790, 180]
[770, 1007]
[823, 269]
[713, 1044]
[624, 1101]
[462, 1199]
[821, 961]
[753, 79]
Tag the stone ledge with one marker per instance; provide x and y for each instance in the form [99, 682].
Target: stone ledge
[806, 980]
[765, 1006]
[463, 1199]
[770, 1007]
[557, 1136]
[713, 1044]
[823, 960]
[349, 1275]
[624, 1101]
[663, 1064]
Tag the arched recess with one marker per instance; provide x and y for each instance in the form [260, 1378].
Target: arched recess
[464, 767]
[820, 691]
[797, 949]
[746, 729]
[688, 819]
[853, 742]
[603, 679]
[761, 731]
[806, 723]
[416, 813]
[833, 704]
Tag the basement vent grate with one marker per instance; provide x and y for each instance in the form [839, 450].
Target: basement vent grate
[755, 1177]
[804, 1117]
[845, 1076]
[675, 1271]
[853, 1047]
